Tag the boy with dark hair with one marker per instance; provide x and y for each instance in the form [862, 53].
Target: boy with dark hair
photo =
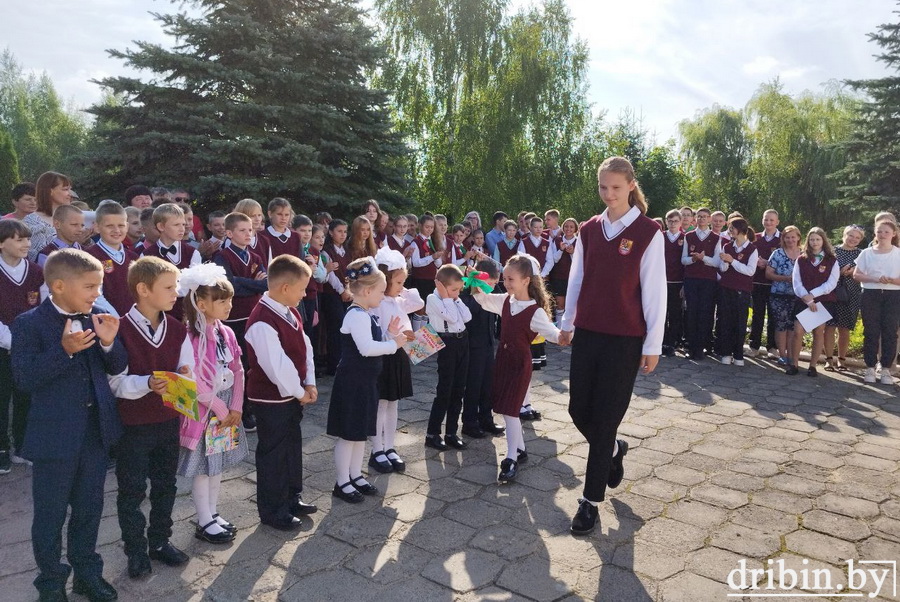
[64, 350]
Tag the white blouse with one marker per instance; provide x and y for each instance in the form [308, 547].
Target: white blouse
[407, 302]
[540, 322]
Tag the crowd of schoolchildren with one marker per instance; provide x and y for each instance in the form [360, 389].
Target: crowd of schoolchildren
[97, 302]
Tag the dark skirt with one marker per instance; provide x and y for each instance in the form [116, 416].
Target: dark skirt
[424, 286]
[353, 407]
[559, 287]
[395, 381]
[512, 377]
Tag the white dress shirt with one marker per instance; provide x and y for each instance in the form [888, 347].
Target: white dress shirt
[652, 275]
[548, 258]
[540, 322]
[828, 286]
[747, 270]
[134, 386]
[407, 302]
[558, 253]
[446, 315]
[176, 257]
[358, 324]
[420, 262]
[686, 258]
[272, 359]
[17, 274]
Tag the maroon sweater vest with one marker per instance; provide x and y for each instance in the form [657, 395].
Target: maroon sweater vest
[276, 247]
[259, 387]
[143, 358]
[765, 248]
[814, 276]
[19, 297]
[55, 247]
[561, 268]
[429, 271]
[187, 251]
[610, 298]
[261, 248]
[733, 279]
[242, 306]
[341, 271]
[674, 267]
[695, 245]
[396, 246]
[313, 288]
[505, 252]
[539, 252]
[115, 278]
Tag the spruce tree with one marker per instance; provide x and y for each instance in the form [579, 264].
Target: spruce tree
[871, 179]
[256, 98]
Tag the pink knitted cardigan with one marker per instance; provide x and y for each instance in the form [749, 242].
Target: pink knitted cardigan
[192, 430]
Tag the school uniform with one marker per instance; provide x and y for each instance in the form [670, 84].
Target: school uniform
[505, 249]
[55, 245]
[457, 254]
[115, 275]
[72, 424]
[150, 445]
[183, 256]
[257, 245]
[562, 264]
[476, 411]
[395, 379]
[762, 289]
[448, 317]
[21, 290]
[674, 331]
[424, 266]
[396, 244]
[280, 243]
[736, 287]
[700, 286]
[617, 307]
[380, 239]
[333, 307]
[816, 276]
[541, 249]
[309, 305]
[281, 364]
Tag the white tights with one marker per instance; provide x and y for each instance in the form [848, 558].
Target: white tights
[385, 426]
[348, 459]
[205, 493]
[515, 439]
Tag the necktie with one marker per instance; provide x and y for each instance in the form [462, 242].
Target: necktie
[242, 253]
[290, 317]
[283, 238]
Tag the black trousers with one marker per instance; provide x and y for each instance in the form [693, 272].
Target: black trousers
[10, 395]
[700, 297]
[601, 380]
[147, 452]
[308, 309]
[240, 328]
[674, 315]
[733, 320]
[279, 459]
[75, 482]
[761, 294]
[477, 399]
[333, 310]
[880, 314]
[453, 366]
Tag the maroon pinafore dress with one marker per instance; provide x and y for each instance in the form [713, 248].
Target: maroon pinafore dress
[512, 368]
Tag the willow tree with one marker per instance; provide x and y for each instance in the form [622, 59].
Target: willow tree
[493, 105]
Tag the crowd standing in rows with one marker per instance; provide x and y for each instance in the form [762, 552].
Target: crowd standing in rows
[255, 305]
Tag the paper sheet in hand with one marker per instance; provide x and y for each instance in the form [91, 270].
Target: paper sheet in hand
[181, 394]
[426, 344]
[813, 319]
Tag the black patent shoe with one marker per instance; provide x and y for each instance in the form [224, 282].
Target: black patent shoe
[53, 595]
[521, 456]
[95, 590]
[493, 429]
[139, 566]
[617, 470]
[473, 430]
[382, 466]
[227, 526]
[354, 497]
[222, 537]
[300, 508]
[249, 421]
[398, 464]
[169, 555]
[365, 487]
[287, 523]
[586, 519]
[791, 370]
[455, 442]
[435, 442]
[812, 371]
[508, 470]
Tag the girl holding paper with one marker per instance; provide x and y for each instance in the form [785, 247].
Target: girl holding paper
[815, 277]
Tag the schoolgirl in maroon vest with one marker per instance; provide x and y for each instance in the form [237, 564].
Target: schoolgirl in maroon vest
[278, 237]
[674, 246]
[617, 309]
[815, 277]
[457, 252]
[334, 299]
[563, 247]
[698, 256]
[737, 258]
[766, 242]
[427, 256]
[168, 219]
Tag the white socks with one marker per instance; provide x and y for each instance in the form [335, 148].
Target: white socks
[515, 439]
[615, 448]
[204, 492]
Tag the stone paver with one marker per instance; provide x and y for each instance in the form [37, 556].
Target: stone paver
[726, 465]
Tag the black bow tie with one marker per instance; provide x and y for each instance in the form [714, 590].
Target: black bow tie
[283, 238]
[170, 250]
[77, 317]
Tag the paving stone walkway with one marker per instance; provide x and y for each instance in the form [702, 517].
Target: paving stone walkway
[726, 464]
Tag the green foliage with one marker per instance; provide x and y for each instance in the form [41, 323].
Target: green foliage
[662, 179]
[257, 99]
[46, 135]
[9, 164]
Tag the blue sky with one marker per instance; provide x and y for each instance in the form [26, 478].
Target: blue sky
[666, 59]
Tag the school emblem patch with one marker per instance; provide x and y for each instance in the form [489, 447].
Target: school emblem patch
[691, 248]
[543, 248]
[740, 257]
[33, 297]
[822, 269]
[253, 268]
[108, 266]
[681, 243]
[625, 246]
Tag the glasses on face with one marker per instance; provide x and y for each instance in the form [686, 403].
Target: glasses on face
[182, 199]
[673, 220]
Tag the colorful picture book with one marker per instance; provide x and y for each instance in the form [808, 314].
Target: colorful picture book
[221, 439]
[425, 344]
[181, 394]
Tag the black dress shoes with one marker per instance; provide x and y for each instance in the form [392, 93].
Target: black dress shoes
[521, 456]
[491, 428]
[473, 430]
[586, 519]
[617, 470]
[398, 464]
[53, 595]
[435, 442]
[95, 590]
[287, 523]
[455, 442]
[139, 566]
[223, 536]
[169, 555]
[380, 462]
[354, 497]
[300, 508]
[363, 486]
[508, 470]
[249, 421]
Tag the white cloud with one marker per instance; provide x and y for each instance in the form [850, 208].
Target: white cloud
[761, 65]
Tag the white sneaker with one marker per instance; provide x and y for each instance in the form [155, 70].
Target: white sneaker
[762, 352]
[751, 352]
[738, 362]
[726, 360]
[773, 354]
[870, 375]
[886, 379]
[20, 460]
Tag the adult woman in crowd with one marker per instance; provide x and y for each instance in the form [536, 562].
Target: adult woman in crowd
[782, 298]
[51, 190]
[847, 305]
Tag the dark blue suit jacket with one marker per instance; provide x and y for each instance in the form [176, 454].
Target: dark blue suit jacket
[60, 386]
